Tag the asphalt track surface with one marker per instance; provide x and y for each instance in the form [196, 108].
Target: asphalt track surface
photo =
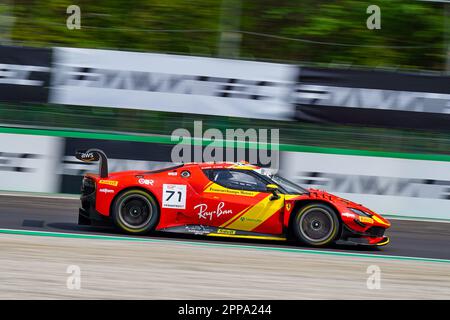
[418, 239]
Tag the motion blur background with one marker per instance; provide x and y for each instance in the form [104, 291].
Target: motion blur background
[345, 89]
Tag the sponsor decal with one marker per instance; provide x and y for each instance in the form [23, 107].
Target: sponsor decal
[106, 191]
[203, 212]
[113, 183]
[87, 155]
[147, 182]
[174, 196]
[247, 219]
[185, 174]
[172, 173]
[226, 231]
[197, 229]
[215, 188]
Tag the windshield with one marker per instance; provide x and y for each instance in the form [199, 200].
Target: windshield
[287, 185]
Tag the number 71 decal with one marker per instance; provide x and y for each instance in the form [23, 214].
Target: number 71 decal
[174, 196]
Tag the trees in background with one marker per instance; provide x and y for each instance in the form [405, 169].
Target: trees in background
[412, 33]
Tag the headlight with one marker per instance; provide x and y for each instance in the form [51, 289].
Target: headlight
[360, 212]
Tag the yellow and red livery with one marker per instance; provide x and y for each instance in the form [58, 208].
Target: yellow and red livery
[223, 200]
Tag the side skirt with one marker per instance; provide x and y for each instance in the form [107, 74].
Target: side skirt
[221, 232]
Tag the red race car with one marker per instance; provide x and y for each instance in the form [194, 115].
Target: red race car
[223, 200]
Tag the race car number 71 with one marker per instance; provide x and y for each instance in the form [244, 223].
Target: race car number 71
[174, 196]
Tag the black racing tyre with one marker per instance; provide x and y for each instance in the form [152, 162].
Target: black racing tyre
[316, 225]
[135, 211]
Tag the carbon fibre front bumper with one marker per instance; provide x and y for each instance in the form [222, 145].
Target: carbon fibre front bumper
[373, 237]
[365, 241]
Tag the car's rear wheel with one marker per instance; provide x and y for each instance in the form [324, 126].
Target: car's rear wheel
[135, 211]
[316, 225]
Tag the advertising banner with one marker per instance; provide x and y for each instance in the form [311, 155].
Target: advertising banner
[29, 163]
[172, 83]
[24, 74]
[381, 98]
[402, 187]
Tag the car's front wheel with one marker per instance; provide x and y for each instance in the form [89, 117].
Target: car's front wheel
[135, 211]
[316, 225]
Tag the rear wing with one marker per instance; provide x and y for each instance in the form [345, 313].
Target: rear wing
[93, 155]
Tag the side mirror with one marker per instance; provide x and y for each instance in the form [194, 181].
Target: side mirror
[274, 189]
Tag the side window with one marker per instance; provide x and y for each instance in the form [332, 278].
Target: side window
[236, 179]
